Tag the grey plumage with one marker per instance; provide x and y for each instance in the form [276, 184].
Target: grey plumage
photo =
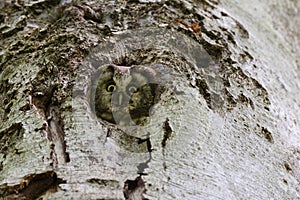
[125, 95]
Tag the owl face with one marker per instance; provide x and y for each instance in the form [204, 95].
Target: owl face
[125, 95]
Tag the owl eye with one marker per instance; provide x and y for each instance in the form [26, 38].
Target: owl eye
[132, 89]
[111, 87]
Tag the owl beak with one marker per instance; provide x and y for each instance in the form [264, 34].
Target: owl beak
[120, 99]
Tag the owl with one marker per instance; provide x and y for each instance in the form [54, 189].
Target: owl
[125, 95]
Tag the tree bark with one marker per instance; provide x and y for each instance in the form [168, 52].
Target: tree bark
[225, 125]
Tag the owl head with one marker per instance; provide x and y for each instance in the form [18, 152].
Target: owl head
[125, 95]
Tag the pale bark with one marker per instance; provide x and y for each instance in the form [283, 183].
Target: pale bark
[226, 126]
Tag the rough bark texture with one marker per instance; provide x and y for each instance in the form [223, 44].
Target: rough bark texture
[226, 126]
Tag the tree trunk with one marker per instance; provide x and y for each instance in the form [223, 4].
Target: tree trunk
[225, 123]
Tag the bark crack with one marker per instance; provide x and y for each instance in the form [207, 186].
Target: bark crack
[32, 186]
[134, 189]
[53, 125]
[167, 133]
[56, 135]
